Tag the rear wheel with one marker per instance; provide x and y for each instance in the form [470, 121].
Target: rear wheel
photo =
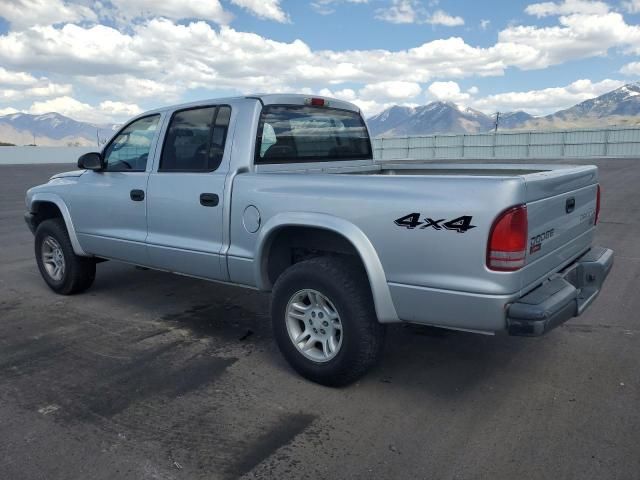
[324, 321]
[64, 271]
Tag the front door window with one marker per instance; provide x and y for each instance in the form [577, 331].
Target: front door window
[129, 150]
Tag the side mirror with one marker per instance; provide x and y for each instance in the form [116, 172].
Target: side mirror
[91, 161]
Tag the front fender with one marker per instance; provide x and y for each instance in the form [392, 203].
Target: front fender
[66, 216]
[383, 302]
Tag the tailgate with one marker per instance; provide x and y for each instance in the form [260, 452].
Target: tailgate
[561, 207]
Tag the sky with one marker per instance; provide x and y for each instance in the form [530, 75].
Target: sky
[105, 61]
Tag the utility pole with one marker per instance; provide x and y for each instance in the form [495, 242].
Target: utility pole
[34, 139]
[497, 121]
[97, 138]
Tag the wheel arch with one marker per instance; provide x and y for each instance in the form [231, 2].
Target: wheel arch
[353, 238]
[44, 204]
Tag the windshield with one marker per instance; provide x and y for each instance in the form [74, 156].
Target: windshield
[292, 133]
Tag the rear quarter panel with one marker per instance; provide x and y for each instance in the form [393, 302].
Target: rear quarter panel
[421, 256]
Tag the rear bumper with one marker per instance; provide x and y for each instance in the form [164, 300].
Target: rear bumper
[564, 296]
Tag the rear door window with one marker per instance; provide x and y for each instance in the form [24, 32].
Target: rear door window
[195, 140]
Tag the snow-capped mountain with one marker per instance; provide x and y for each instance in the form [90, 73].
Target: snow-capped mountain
[623, 101]
[51, 129]
[435, 117]
[618, 107]
[389, 119]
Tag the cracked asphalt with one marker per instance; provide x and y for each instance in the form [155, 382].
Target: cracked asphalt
[154, 376]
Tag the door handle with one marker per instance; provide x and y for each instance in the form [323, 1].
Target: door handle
[209, 200]
[137, 195]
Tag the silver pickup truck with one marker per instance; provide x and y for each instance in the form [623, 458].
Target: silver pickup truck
[281, 193]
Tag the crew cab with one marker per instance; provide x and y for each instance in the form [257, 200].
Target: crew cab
[281, 193]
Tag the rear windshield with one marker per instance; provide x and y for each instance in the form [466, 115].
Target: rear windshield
[292, 133]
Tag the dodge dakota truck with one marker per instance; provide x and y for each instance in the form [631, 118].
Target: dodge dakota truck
[281, 193]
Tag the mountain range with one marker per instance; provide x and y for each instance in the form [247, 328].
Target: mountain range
[618, 107]
[52, 129]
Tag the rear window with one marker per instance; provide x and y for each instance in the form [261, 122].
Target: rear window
[292, 133]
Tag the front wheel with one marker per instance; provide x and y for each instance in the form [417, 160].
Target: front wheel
[64, 271]
[324, 321]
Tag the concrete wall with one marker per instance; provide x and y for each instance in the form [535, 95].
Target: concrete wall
[23, 155]
[615, 142]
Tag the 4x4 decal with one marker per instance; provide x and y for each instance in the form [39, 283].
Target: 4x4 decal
[412, 221]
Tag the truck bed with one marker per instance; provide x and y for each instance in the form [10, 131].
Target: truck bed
[425, 256]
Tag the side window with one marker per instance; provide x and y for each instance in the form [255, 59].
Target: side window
[129, 150]
[195, 140]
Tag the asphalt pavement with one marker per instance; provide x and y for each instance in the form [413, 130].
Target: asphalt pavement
[150, 375]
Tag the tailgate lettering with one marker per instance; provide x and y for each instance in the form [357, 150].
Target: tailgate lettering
[537, 241]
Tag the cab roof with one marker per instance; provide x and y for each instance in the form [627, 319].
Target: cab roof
[265, 99]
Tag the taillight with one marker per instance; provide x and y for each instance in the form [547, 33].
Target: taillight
[595, 222]
[507, 247]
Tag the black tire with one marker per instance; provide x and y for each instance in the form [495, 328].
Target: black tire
[79, 272]
[344, 282]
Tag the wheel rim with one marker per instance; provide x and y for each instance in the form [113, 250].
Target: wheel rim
[53, 258]
[314, 325]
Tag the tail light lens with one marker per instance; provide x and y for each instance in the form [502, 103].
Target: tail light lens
[507, 247]
[595, 222]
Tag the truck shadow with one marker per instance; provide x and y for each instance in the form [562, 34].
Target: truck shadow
[447, 363]
[442, 362]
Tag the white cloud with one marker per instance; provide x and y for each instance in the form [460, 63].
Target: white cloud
[375, 97]
[448, 92]
[546, 100]
[268, 9]
[390, 91]
[160, 59]
[400, 11]
[8, 111]
[169, 58]
[26, 13]
[568, 7]
[107, 111]
[16, 86]
[369, 106]
[411, 11]
[577, 36]
[325, 7]
[119, 109]
[632, 69]
[161, 49]
[440, 17]
[133, 87]
[484, 24]
[174, 9]
[196, 55]
[64, 105]
[45, 90]
[8, 77]
[632, 6]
